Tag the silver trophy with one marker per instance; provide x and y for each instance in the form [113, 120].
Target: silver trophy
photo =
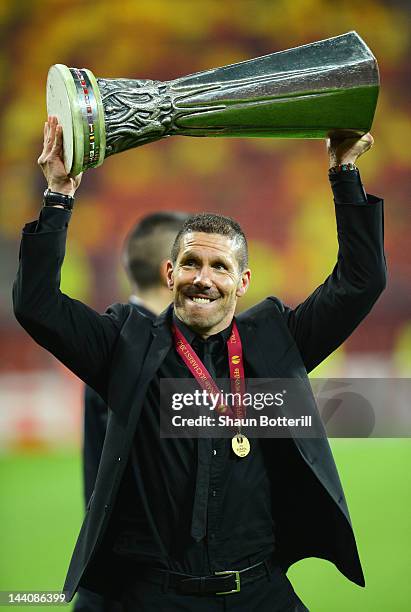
[304, 92]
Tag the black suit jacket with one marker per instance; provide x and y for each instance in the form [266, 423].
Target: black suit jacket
[118, 353]
[94, 429]
[94, 432]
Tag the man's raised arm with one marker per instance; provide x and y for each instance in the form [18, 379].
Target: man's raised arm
[77, 335]
[330, 314]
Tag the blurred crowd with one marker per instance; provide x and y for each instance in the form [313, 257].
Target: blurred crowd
[277, 189]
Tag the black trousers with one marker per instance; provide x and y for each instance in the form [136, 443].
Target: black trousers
[272, 593]
[88, 601]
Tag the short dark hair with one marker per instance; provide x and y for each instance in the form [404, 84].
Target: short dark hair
[211, 223]
[148, 244]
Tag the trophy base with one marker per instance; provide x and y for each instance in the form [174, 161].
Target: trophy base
[74, 98]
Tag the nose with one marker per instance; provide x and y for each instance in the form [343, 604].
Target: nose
[202, 278]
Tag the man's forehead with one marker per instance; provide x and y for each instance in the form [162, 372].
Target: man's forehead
[218, 243]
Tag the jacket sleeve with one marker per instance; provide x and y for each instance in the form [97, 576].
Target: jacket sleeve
[330, 314]
[77, 335]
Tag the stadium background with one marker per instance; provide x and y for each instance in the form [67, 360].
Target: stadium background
[279, 192]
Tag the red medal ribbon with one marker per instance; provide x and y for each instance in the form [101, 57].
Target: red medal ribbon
[236, 365]
[203, 376]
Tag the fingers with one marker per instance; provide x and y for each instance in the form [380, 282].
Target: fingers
[57, 141]
[349, 149]
[46, 131]
[52, 139]
[368, 139]
[77, 180]
[46, 142]
[51, 158]
[52, 132]
[49, 135]
[365, 144]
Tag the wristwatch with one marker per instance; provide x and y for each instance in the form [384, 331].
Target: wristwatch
[343, 168]
[51, 198]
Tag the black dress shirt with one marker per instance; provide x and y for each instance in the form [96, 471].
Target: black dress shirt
[192, 505]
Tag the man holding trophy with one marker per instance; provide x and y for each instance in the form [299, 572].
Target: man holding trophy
[207, 524]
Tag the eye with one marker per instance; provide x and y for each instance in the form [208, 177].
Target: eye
[189, 263]
[220, 266]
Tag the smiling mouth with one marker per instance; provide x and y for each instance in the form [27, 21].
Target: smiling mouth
[201, 300]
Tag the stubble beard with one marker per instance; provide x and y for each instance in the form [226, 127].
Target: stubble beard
[201, 323]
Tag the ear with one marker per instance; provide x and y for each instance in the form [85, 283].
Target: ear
[169, 274]
[163, 272]
[244, 283]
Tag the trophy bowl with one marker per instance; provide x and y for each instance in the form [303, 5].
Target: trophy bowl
[305, 92]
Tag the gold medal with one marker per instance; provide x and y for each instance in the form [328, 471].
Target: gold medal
[240, 445]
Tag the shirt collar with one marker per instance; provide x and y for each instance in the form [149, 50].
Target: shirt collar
[135, 301]
[190, 335]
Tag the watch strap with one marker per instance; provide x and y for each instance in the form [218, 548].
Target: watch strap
[343, 168]
[53, 198]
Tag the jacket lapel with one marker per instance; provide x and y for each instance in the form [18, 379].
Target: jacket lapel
[160, 345]
[252, 350]
[162, 340]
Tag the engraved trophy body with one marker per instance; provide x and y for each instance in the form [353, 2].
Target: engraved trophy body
[304, 92]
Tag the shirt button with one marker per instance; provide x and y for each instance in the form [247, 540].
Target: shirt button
[214, 451]
[214, 493]
[119, 459]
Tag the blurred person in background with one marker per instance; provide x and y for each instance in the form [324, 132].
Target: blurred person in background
[180, 524]
[145, 253]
